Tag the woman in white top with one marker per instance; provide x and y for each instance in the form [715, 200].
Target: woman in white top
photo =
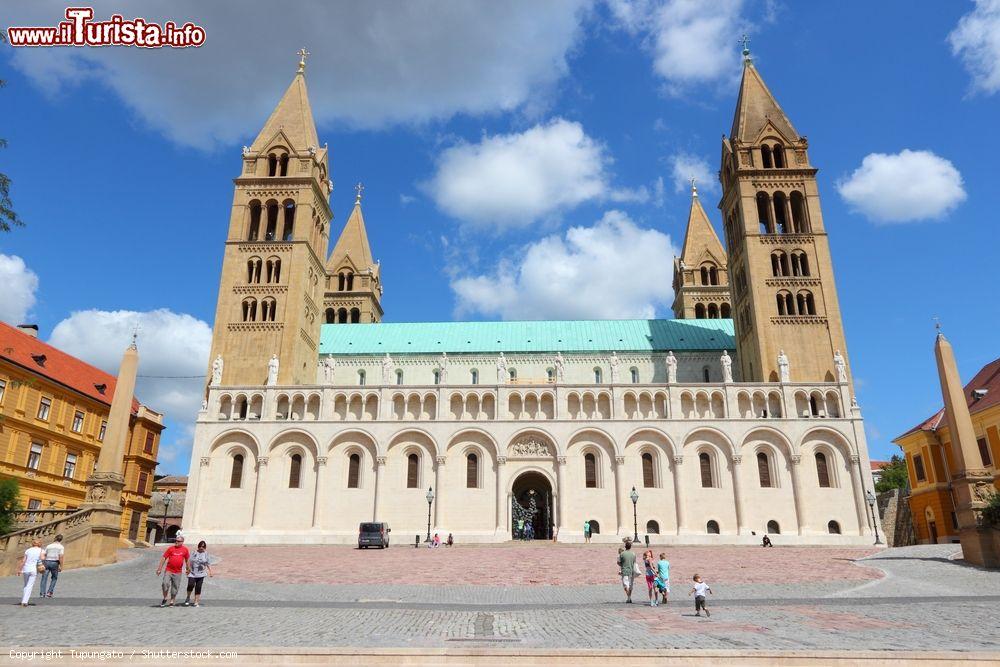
[29, 568]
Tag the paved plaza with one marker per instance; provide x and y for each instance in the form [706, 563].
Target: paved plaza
[531, 596]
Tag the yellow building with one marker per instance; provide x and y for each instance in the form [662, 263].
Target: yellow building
[930, 462]
[53, 418]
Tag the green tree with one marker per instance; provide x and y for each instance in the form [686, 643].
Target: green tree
[893, 475]
[9, 504]
[991, 513]
[8, 216]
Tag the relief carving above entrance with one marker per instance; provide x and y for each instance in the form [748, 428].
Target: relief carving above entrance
[530, 447]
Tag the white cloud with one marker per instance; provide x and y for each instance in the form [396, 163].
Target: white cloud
[903, 187]
[613, 269]
[19, 286]
[372, 63]
[976, 40]
[170, 344]
[685, 166]
[691, 41]
[512, 180]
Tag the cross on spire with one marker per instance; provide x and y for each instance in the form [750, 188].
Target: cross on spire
[135, 334]
[745, 41]
[359, 188]
[694, 188]
[937, 323]
[302, 53]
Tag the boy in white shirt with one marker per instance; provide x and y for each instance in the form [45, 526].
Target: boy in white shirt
[699, 590]
[53, 561]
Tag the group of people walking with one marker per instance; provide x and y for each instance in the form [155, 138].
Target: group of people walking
[657, 574]
[177, 560]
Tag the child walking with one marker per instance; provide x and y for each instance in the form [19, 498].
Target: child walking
[663, 578]
[699, 590]
[649, 568]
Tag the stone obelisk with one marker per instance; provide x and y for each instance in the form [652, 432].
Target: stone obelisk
[104, 486]
[971, 483]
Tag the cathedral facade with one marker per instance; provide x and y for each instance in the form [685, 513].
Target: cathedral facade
[733, 420]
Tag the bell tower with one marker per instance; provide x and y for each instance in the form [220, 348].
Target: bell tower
[272, 268]
[701, 278]
[784, 295]
[353, 279]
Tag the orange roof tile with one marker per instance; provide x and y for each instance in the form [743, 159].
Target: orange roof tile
[50, 362]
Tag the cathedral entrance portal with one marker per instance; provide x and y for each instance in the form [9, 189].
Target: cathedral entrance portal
[531, 503]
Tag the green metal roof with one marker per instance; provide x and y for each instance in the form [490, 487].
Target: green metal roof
[527, 336]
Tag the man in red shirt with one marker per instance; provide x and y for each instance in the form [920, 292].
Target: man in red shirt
[176, 559]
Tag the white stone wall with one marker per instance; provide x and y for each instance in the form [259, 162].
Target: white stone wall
[325, 424]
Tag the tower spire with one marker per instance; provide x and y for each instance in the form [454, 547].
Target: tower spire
[302, 54]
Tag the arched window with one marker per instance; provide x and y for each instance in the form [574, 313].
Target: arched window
[341, 281]
[595, 528]
[778, 153]
[283, 164]
[781, 213]
[648, 477]
[822, 471]
[634, 372]
[712, 527]
[652, 528]
[512, 374]
[763, 470]
[726, 311]
[399, 377]
[254, 230]
[765, 157]
[779, 264]
[271, 232]
[267, 308]
[412, 471]
[471, 471]
[250, 310]
[253, 270]
[361, 378]
[289, 226]
[713, 276]
[706, 374]
[331, 316]
[764, 213]
[353, 471]
[597, 375]
[590, 470]
[813, 406]
[437, 376]
[295, 472]
[785, 304]
[475, 376]
[350, 282]
[704, 275]
[342, 315]
[810, 304]
[272, 165]
[833, 528]
[800, 218]
[355, 315]
[713, 311]
[273, 274]
[773, 527]
[699, 311]
[236, 476]
[705, 463]
[550, 374]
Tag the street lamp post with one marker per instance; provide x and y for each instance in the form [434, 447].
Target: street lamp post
[871, 506]
[430, 499]
[635, 516]
[166, 506]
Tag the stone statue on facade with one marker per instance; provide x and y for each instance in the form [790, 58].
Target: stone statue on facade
[272, 370]
[387, 365]
[327, 365]
[217, 370]
[560, 367]
[671, 367]
[727, 366]
[246, 151]
[501, 369]
[615, 363]
[840, 365]
[443, 364]
[204, 405]
[783, 373]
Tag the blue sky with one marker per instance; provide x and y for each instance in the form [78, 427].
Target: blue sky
[578, 122]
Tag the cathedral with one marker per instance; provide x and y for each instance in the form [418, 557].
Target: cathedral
[733, 420]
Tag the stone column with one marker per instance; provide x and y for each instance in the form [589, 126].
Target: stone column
[797, 491]
[320, 468]
[379, 467]
[619, 505]
[438, 474]
[738, 493]
[679, 496]
[561, 497]
[501, 481]
[261, 466]
[860, 505]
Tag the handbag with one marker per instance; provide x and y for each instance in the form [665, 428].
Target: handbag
[39, 567]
